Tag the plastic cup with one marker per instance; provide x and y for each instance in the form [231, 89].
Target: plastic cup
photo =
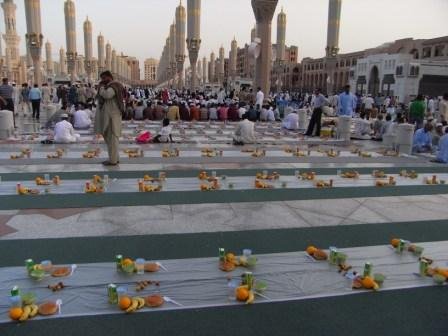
[213, 173]
[140, 266]
[46, 266]
[47, 177]
[106, 179]
[247, 253]
[122, 291]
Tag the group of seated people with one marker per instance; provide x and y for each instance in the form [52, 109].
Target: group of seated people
[65, 122]
[429, 140]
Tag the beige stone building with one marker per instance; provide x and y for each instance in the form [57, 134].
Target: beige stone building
[151, 66]
[314, 74]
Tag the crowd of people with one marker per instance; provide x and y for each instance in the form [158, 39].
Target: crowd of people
[374, 117]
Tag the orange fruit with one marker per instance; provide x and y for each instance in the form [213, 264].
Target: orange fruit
[242, 293]
[125, 302]
[230, 257]
[442, 272]
[15, 313]
[310, 250]
[395, 242]
[369, 283]
[127, 262]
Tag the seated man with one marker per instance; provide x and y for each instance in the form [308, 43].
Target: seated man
[291, 121]
[81, 118]
[138, 111]
[64, 132]
[362, 129]
[442, 154]
[164, 135]
[437, 134]
[423, 140]
[244, 132]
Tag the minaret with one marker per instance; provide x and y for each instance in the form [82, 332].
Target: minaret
[108, 57]
[194, 37]
[101, 58]
[198, 72]
[332, 49]
[211, 74]
[233, 58]
[204, 70]
[221, 66]
[253, 34]
[281, 36]
[172, 51]
[181, 21]
[114, 63]
[11, 38]
[34, 37]
[49, 60]
[70, 33]
[264, 11]
[167, 59]
[88, 48]
[62, 63]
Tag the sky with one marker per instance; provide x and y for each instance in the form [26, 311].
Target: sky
[140, 27]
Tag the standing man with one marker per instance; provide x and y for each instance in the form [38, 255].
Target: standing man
[6, 92]
[316, 118]
[346, 103]
[108, 116]
[259, 99]
[46, 94]
[35, 97]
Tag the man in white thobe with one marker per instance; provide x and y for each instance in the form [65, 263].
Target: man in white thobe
[244, 132]
[64, 132]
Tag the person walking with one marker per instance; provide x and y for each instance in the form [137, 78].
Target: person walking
[108, 116]
[35, 96]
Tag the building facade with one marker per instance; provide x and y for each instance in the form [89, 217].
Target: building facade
[151, 66]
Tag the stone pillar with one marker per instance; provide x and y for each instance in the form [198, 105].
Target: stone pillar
[70, 34]
[49, 60]
[62, 63]
[221, 66]
[264, 11]
[101, 59]
[332, 49]
[233, 59]
[204, 70]
[211, 75]
[108, 57]
[194, 38]
[11, 38]
[172, 73]
[181, 21]
[34, 37]
[88, 48]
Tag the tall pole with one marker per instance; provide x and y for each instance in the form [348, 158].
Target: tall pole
[181, 18]
[70, 34]
[264, 12]
[194, 38]
[101, 59]
[88, 46]
[34, 36]
[332, 49]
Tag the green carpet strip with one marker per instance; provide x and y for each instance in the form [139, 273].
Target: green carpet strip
[200, 245]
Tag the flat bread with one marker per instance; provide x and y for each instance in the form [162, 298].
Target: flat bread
[154, 301]
[48, 308]
[151, 267]
[227, 266]
[59, 272]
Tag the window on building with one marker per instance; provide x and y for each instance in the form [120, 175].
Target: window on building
[439, 50]
[414, 71]
[399, 70]
[426, 52]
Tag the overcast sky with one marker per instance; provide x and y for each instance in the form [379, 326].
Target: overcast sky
[140, 27]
